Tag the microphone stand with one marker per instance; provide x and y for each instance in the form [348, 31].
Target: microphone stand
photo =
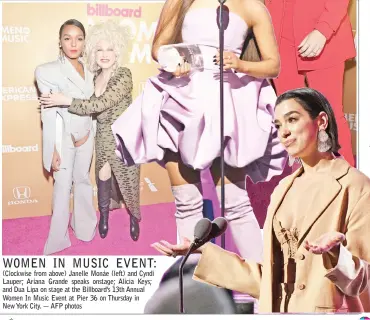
[181, 276]
[201, 231]
[222, 141]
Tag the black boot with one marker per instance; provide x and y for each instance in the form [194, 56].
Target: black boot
[134, 228]
[104, 191]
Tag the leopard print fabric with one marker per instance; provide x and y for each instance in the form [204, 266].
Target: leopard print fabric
[107, 108]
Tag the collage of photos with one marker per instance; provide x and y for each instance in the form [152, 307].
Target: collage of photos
[183, 156]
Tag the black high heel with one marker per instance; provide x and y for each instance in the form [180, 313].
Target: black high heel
[134, 228]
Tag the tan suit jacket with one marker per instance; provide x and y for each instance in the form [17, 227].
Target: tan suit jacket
[340, 203]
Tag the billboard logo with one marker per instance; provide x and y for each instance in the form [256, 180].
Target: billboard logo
[16, 34]
[103, 10]
[22, 195]
[7, 148]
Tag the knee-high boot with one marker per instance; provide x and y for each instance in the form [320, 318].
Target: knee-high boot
[104, 194]
[244, 226]
[189, 208]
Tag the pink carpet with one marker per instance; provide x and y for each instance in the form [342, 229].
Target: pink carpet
[27, 236]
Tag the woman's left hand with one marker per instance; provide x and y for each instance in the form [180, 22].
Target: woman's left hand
[312, 45]
[231, 60]
[54, 99]
[173, 250]
[325, 243]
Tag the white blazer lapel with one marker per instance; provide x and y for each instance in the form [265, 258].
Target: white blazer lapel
[73, 76]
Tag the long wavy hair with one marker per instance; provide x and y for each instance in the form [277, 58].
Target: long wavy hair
[250, 51]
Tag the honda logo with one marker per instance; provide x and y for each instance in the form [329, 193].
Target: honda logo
[20, 193]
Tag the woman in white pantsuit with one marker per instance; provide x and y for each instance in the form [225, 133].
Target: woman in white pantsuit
[68, 140]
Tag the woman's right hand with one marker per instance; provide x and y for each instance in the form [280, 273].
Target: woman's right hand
[174, 250]
[55, 163]
[51, 100]
[182, 70]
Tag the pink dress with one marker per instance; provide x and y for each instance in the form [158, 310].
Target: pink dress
[182, 114]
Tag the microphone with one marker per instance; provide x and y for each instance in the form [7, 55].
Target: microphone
[201, 232]
[223, 18]
[219, 226]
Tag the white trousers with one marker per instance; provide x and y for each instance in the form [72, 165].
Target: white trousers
[75, 163]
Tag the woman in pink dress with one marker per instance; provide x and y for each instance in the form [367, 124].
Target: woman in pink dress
[176, 120]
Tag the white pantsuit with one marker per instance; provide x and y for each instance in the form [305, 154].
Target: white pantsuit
[58, 126]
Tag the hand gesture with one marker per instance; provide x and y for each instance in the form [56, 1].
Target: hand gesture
[182, 70]
[55, 163]
[173, 250]
[312, 45]
[325, 243]
[54, 99]
[231, 61]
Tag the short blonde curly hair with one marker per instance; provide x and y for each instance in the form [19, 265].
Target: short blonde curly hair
[111, 31]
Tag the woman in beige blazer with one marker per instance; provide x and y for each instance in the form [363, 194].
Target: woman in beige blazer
[316, 233]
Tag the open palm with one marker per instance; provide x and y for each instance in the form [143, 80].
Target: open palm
[174, 250]
[325, 243]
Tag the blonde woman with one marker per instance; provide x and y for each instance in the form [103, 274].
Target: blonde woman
[113, 86]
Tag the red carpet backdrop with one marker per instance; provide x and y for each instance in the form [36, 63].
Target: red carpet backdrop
[30, 37]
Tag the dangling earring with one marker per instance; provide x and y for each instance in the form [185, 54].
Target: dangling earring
[323, 141]
[61, 54]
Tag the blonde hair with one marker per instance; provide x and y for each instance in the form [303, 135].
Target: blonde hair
[115, 34]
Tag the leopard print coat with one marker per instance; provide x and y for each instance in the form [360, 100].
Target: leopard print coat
[107, 108]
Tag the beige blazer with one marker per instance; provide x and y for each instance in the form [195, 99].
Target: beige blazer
[340, 203]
